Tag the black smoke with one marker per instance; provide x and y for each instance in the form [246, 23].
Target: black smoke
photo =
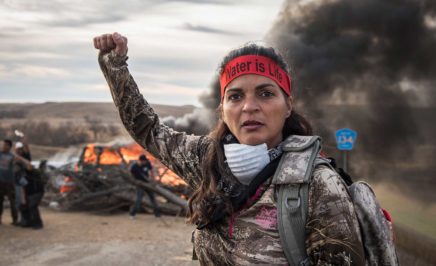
[211, 100]
[368, 65]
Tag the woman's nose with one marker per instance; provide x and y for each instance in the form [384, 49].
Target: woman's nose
[250, 104]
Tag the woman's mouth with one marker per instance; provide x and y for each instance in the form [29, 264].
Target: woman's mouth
[251, 125]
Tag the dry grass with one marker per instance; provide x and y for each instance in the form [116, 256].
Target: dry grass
[406, 210]
[420, 248]
[414, 223]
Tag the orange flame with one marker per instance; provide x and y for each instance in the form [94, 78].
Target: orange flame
[127, 154]
[131, 152]
[89, 156]
[67, 185]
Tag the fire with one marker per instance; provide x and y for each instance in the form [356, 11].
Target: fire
[125, 155]
[89, 155]
[101, 155]
[109, 157]
[165, 175]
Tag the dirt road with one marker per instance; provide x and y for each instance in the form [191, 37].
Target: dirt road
[90, 239]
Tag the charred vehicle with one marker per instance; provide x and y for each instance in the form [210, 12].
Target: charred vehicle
[100, 180]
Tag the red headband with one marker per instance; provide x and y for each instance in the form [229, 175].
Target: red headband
[255, 64]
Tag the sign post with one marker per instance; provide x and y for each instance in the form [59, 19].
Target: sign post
[345, 139]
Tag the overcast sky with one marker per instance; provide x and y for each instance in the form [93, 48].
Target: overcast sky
[46, 50]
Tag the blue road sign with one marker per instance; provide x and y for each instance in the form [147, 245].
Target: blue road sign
[345, 139]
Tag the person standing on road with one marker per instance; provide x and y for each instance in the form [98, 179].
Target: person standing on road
[29, 186]
[7, 159]
[21, 179]
[7, 180]
[34, 192]
[142, 171]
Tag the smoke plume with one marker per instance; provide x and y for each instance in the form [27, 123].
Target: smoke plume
[198, 122]
[374, 57]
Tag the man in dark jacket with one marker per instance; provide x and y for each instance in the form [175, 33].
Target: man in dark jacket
[34, 192]
[142, 170]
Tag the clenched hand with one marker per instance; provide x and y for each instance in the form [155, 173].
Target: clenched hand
[109, 42]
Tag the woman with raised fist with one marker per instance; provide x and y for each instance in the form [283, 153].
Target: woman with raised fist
[241, 171]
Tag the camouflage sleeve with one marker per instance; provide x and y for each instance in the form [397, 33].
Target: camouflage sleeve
[180, 152]
[332, 229]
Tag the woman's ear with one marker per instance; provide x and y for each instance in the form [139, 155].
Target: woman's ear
[289, 104]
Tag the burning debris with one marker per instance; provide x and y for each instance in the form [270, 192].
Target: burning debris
[100, 180]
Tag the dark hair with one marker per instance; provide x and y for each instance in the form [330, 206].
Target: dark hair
[8, 141]
[142, 157]
[216, 178]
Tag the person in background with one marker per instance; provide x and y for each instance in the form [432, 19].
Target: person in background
[142, 170]
[23, 146]
[6, 179]
[21, 179]
[7, 159]
[29, 186]
[34, 192]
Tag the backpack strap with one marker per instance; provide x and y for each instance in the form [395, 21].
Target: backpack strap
[292, 178]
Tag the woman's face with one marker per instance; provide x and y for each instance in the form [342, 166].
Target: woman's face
[255, 108]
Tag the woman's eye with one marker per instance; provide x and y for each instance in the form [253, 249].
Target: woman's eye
[266, 94]
[234, 97]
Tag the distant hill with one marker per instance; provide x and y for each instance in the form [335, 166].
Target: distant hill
[76, 111]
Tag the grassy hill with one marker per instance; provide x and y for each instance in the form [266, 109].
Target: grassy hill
[56, 125]
[76, 111]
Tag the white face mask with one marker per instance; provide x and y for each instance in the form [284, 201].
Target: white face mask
[246, 161]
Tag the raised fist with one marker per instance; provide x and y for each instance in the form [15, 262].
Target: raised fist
[109, 42]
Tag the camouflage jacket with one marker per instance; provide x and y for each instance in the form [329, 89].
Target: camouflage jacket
[249, 236]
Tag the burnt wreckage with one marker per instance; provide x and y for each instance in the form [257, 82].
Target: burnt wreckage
[101, 181]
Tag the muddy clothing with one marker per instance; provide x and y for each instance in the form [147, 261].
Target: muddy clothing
[249, 236]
